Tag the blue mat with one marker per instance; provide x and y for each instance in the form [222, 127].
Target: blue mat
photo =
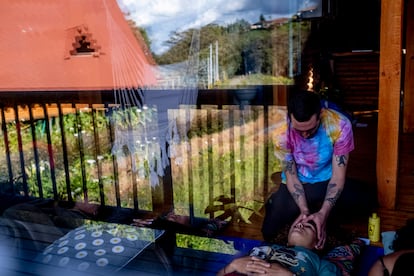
[192, 261]
[368, 258]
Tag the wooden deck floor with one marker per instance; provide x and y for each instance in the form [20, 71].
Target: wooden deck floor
[362, 167]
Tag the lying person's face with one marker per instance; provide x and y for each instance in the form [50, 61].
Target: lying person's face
[302, 234]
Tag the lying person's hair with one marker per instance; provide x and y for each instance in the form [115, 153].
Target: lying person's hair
[404, 238]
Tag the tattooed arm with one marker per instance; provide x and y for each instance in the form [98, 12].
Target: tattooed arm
[333, 191]
[337, 182]
[295, 187]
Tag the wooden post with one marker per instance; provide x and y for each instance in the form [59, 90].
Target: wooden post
[280, 95]
[408, 121]
[389, 101]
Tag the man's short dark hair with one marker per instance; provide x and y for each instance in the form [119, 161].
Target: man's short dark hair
[303, 105]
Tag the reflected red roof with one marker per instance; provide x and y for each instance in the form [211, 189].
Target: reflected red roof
[69, 45]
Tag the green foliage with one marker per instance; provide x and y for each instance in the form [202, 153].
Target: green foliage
[241, 51]
[140, 34]
[255, 48]
[205, 244]
[215, 124]
[221, 179]
[78, 129]
[216, 168]
[255, 79]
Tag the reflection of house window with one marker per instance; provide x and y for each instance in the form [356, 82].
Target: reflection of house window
[85, 46]
[80, 42]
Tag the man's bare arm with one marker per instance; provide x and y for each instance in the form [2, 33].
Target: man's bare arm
[295, 187]
[336, 183]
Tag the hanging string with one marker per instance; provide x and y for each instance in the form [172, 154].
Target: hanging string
[141, 131]
[188, 98]
[135, 124]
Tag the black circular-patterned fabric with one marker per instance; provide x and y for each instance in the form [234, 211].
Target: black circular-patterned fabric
[98, 248]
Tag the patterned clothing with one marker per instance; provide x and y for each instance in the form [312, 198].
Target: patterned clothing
[313, 156]
[299, 260]
[344, 256]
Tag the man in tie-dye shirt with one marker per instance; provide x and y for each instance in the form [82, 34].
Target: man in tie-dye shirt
[316, 143]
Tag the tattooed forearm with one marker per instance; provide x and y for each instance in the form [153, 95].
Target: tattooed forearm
[298, 192]
[341, 160]
[332, 194]
[290, 168]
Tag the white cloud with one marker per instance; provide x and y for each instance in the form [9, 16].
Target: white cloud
[161, 17]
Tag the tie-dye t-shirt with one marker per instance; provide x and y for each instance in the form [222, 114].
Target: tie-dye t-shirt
[313, 156]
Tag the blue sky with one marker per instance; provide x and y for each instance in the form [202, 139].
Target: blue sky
[161, 17]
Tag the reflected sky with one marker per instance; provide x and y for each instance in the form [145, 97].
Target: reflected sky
[160, 17]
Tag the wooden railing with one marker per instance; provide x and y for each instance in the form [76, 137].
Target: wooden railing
[60, 148]
[223, 169]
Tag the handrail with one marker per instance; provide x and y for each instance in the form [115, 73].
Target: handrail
[69, 158]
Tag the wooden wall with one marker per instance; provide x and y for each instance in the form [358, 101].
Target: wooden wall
[356, 77]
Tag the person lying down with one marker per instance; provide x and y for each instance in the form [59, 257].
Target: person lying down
[298, 257]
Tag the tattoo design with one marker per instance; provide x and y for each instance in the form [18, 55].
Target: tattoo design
[341, 160]
[289, 167]
[332, 199]
[298, 192]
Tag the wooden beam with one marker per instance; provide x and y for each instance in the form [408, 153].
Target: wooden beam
[408, 120]
[389, 101]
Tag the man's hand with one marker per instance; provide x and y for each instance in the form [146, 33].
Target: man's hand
[320, 221]
[142, 222]
[302, 217]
